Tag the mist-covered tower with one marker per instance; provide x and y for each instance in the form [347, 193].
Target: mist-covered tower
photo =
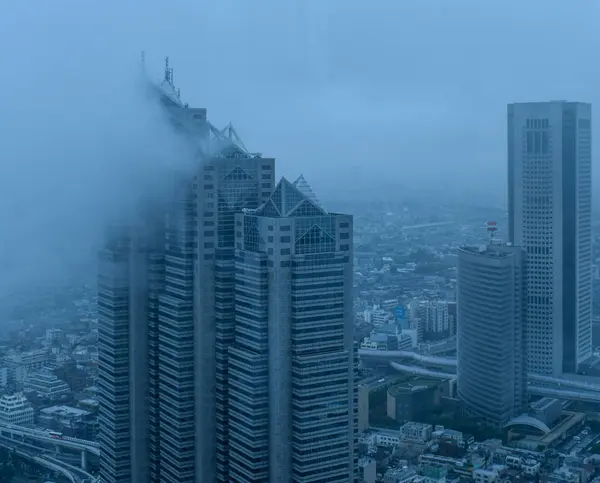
[550, 209]
[166, 312]
[292, 395]
[491, 309]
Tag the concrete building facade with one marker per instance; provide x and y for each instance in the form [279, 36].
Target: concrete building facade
[491, 305]
[549, 200]
[166, 313]
[293, 402]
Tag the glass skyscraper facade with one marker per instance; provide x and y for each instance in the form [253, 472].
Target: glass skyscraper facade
[226, 326]
[167, 314]
[491, 305]
[549, 201]
[292, 364]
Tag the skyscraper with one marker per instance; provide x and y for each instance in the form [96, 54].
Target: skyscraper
[233, 181]
[166, 313]
[491, 304]
[292, 397]
[549, 202]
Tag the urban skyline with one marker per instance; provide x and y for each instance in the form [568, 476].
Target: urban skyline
[169, 311]
[339, 243]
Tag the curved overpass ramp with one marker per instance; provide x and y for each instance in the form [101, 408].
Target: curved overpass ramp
[43, 436]
[565, 388]
[52, 466]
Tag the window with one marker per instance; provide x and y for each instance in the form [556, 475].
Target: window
[209, 245]
[584, 124]
[266, 185]
[344, 236]
[266, 176]
[209, 187]
[285, 228]
[285, 251]
[209, 233]
[285, 239]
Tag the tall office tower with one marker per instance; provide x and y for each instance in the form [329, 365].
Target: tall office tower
[196, 313]
[549, 203]
[292, 398]
[491, 305]
[233, 181]
[123, 313]
[166, 306]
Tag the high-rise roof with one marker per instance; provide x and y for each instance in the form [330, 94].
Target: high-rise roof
[292, 199]
[306, 190]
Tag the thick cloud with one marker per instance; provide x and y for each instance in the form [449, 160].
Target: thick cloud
[388, 94]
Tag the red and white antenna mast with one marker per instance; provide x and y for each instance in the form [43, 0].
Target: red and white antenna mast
[492, 228]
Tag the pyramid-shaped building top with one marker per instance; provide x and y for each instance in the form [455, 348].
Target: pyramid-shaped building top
[306, 190]
[292, 199]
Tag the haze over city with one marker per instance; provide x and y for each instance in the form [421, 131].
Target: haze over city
[394, 98]
[299, 241]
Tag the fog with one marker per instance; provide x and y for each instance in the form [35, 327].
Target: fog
[380, 98]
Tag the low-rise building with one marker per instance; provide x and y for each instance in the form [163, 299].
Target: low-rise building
[482, 475]
[399, 475]
[411, 400]
[46, 385]
[367, 469]
[563, 475]
[15, 409]
[434, 473]
[33, 359]
[4, 377]
[62, 416]
[413, 431]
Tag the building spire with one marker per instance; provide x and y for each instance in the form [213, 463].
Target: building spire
[167, 70]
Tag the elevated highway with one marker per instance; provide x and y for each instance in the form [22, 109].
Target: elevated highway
[564, 387]
[73, 474]
[13, 430]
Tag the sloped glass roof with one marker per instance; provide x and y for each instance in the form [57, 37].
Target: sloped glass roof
[292, 199]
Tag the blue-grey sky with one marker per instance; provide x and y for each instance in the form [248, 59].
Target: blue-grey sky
[374, 96]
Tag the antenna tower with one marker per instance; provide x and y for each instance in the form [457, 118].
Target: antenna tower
[492, 228]
[167, 70]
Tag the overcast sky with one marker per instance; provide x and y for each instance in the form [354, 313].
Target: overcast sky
[354, 94]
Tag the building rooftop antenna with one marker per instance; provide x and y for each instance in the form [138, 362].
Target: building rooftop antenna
[492, 228]
[167, 70]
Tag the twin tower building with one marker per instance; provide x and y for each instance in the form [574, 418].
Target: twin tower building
[226, 327]
[525, 307]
